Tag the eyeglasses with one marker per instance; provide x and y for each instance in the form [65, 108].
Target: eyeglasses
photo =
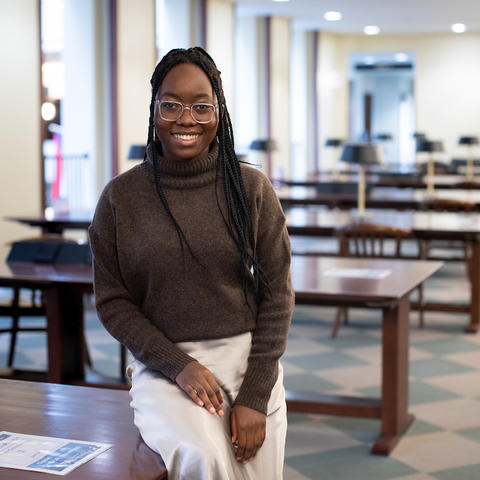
[171, 111]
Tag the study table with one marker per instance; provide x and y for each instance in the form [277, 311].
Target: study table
[316, 282]
[79, 413]
[396, 180]
[65, 326]
[56, 224]
[464, 227]
[379, 197]
[63, 287]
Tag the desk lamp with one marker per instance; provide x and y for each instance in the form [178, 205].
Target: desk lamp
[136, 152]
[334, 143]
[430, 147]
[469, 142]
[361, 155]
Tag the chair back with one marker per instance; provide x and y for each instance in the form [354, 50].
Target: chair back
[369, 240]
[447, 205]
[468, 185]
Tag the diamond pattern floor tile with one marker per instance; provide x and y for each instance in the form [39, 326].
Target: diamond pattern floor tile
[325, 361]
[351, 463]
[436, 451]
[466, 384]
[434, 367]
[308, 383]
[450, 415]
[468, 472]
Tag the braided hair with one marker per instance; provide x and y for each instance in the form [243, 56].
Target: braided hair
[238, 219]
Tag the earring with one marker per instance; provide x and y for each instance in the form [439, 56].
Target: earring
[154, 133]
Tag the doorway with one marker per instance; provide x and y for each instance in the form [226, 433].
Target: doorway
[382, 105]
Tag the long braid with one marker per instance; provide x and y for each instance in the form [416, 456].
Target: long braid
[238, 219]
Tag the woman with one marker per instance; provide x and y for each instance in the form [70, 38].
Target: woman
[191, 263]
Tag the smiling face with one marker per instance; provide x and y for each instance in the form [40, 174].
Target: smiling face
[185, 138]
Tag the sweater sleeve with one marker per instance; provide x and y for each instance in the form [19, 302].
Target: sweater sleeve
[276, 306]
[117, 310]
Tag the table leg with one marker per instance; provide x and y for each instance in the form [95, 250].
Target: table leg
[64, 311]
[395, 417]
[475, 288]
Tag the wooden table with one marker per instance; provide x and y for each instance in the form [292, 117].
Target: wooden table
[379, 197]
[79, 413]
[387, 179]
[63, 287]
[55, 224]
[65, 333]
[464, 227]
[391, 295]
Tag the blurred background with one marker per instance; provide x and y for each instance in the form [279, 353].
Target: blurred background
[75, 85]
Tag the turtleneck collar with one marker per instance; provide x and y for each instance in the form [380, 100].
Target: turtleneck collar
[189, 173]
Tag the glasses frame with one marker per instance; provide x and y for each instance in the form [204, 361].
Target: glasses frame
[185, 107]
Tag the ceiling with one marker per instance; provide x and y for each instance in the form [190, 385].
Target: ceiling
[392, 16]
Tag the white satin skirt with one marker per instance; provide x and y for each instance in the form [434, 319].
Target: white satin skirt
[194, 444]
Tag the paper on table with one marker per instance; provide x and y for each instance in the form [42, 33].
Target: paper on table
[358, 272]
[58, 456]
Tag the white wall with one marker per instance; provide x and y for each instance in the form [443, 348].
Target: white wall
[136, 62]
[20, 119]
[447, 76]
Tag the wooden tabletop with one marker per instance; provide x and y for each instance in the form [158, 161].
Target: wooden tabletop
[311, 279]
[324, 221]
[19, 273]
[79, 413]
[387, 179]
[379, 197]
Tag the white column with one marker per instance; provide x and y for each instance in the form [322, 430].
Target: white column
[280, 95]
[20, 120]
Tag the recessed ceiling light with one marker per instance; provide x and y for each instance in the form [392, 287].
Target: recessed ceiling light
[371, 30]
[332, 16]
[458, 27]
[401, 57]
[281, 0]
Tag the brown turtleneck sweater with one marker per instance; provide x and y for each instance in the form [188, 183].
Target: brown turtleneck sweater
[148, 299]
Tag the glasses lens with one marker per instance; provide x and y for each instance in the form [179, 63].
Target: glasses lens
[170, 111]
[202, 112]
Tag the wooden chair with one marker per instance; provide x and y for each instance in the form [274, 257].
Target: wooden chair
[448, 205]
[367, 240]
[30, 305]
[438, 204]
[468, 185]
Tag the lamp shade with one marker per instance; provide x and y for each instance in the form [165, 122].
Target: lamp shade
[333, 142]
[472, 140]
[419, 135]
[383, 136]
[136, 152]
[360, 153]
[429, 146]
[263, 145]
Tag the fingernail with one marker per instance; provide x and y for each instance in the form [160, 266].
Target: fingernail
[212, 410]
[220, 413]
[200, 403]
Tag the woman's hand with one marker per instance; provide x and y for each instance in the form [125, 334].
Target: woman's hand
[200, 385]
[248, 432]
